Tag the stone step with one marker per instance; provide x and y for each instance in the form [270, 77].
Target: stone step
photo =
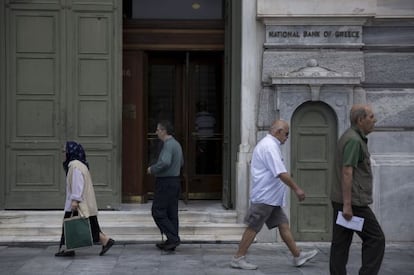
[124, 226]
[18, 217]
[144, 232]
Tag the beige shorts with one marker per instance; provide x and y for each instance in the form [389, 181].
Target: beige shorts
[260, 213]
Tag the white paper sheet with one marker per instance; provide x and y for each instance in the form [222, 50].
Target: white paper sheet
[356, 223]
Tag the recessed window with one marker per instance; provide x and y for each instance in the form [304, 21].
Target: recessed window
[176, 9]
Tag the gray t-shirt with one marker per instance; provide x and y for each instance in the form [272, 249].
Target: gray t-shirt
[170, 160]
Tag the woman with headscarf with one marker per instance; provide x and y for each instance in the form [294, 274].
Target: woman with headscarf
[80, 196]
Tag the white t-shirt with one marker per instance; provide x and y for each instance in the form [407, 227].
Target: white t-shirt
[266, 166]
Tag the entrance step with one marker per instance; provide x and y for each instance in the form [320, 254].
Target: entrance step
[209, 225]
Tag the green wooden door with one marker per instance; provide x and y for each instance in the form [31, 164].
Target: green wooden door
[313, 143]
[63, 84]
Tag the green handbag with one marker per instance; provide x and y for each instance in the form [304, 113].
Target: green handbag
[77, 232]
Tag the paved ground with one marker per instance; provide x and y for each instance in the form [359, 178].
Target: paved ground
[191, 259]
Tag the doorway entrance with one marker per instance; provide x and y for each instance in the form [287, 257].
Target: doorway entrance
[313, 143]
[186, 88]
[173, 69]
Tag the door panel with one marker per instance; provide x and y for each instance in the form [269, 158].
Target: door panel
[205, 127]
[164, 88]
[314, 131]
[95, 117]
[132, 120]
[62, 85]
[33, 96]
[186, 88]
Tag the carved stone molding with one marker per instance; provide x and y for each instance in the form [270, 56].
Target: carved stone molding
[315, 76]
[315, 83]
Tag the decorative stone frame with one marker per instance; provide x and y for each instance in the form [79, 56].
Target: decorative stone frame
[314, 83]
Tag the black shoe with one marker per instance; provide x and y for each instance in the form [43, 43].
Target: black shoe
[170, 246]
[160, 245]
[64, 253]
[106, 247]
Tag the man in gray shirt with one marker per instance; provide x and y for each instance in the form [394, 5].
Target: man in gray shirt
[167, 186]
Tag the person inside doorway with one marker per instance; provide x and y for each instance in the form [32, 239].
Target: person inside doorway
[206, 145]
[269, 182]
[204, 120]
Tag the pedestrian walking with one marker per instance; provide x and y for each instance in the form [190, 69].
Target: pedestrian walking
[269, 182]
[80, 196]
[352, 194]
[167, 186]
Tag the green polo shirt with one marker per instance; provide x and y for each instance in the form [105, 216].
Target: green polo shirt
[353, 153]
[352, 150]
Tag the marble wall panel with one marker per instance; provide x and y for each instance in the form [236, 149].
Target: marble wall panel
[383, 35]
[266, 108]
[387, 8]
[315, 7]
[393, 108]
[389, 68]
[380, 8]
[400, 142]
[394, 195]
[279, 62]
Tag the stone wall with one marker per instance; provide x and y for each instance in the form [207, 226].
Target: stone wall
[389, 71]
[383, 59]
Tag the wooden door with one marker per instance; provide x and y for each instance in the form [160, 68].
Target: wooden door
[314, 135]
[132, 127]
[62, 84]
[186, 88]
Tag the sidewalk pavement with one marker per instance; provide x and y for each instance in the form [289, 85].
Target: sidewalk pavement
[191, 259]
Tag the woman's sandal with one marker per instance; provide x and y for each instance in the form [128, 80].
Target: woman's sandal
[106, 247]
[64, 253]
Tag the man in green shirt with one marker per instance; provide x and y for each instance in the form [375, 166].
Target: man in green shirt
[167, 186]
[352, 193]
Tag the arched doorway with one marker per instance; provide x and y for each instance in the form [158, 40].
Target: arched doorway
[313, 144]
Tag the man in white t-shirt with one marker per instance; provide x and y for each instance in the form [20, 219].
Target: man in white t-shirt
[269, 179]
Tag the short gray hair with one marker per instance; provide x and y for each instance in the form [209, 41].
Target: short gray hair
[357, 112]
[167, 126]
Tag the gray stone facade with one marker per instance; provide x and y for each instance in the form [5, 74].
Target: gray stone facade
[356, 52]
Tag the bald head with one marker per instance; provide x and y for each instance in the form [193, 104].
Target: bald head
[280, 130]
[279, 124]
